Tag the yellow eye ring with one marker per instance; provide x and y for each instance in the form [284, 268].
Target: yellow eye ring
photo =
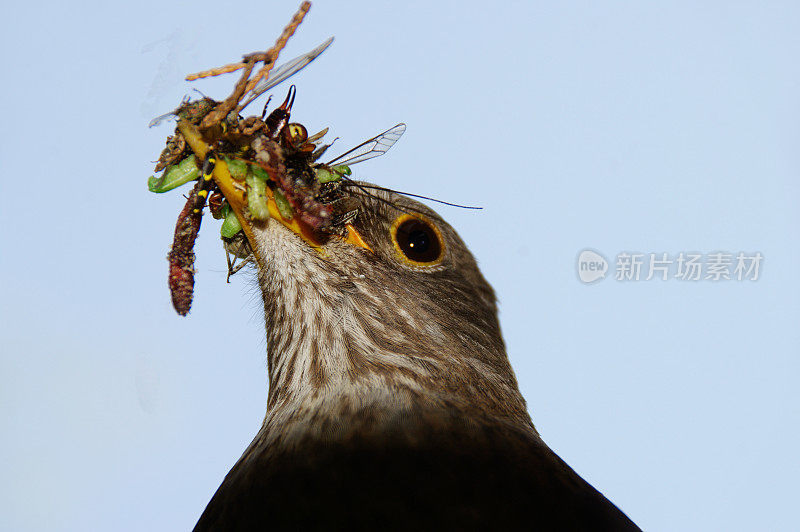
[417, 240]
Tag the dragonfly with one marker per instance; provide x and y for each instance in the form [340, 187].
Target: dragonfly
[277, 76]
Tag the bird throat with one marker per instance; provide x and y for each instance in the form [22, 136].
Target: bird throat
[345, 358]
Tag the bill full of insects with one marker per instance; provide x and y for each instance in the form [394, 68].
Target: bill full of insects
[251, 169]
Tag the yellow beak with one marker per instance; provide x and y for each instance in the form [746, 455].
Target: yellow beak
[236, 194]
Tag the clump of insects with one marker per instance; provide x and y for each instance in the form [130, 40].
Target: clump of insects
[243, 166]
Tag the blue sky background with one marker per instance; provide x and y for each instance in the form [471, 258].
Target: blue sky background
[611, 125]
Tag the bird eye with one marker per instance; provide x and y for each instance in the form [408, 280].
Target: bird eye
[418, 241]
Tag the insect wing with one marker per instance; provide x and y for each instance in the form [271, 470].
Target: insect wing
[290, 68]
[159, 119]
[374, 147]
[285, 71]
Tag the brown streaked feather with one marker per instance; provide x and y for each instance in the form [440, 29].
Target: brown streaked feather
[392, 403]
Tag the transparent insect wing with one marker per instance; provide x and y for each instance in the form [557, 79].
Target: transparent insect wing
[285, 71]
[159, 119]
[374, 147]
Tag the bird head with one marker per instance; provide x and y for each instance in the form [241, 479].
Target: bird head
[395, 314]
[391, 316]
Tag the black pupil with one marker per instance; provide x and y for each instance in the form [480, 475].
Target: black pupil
[418, 241]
